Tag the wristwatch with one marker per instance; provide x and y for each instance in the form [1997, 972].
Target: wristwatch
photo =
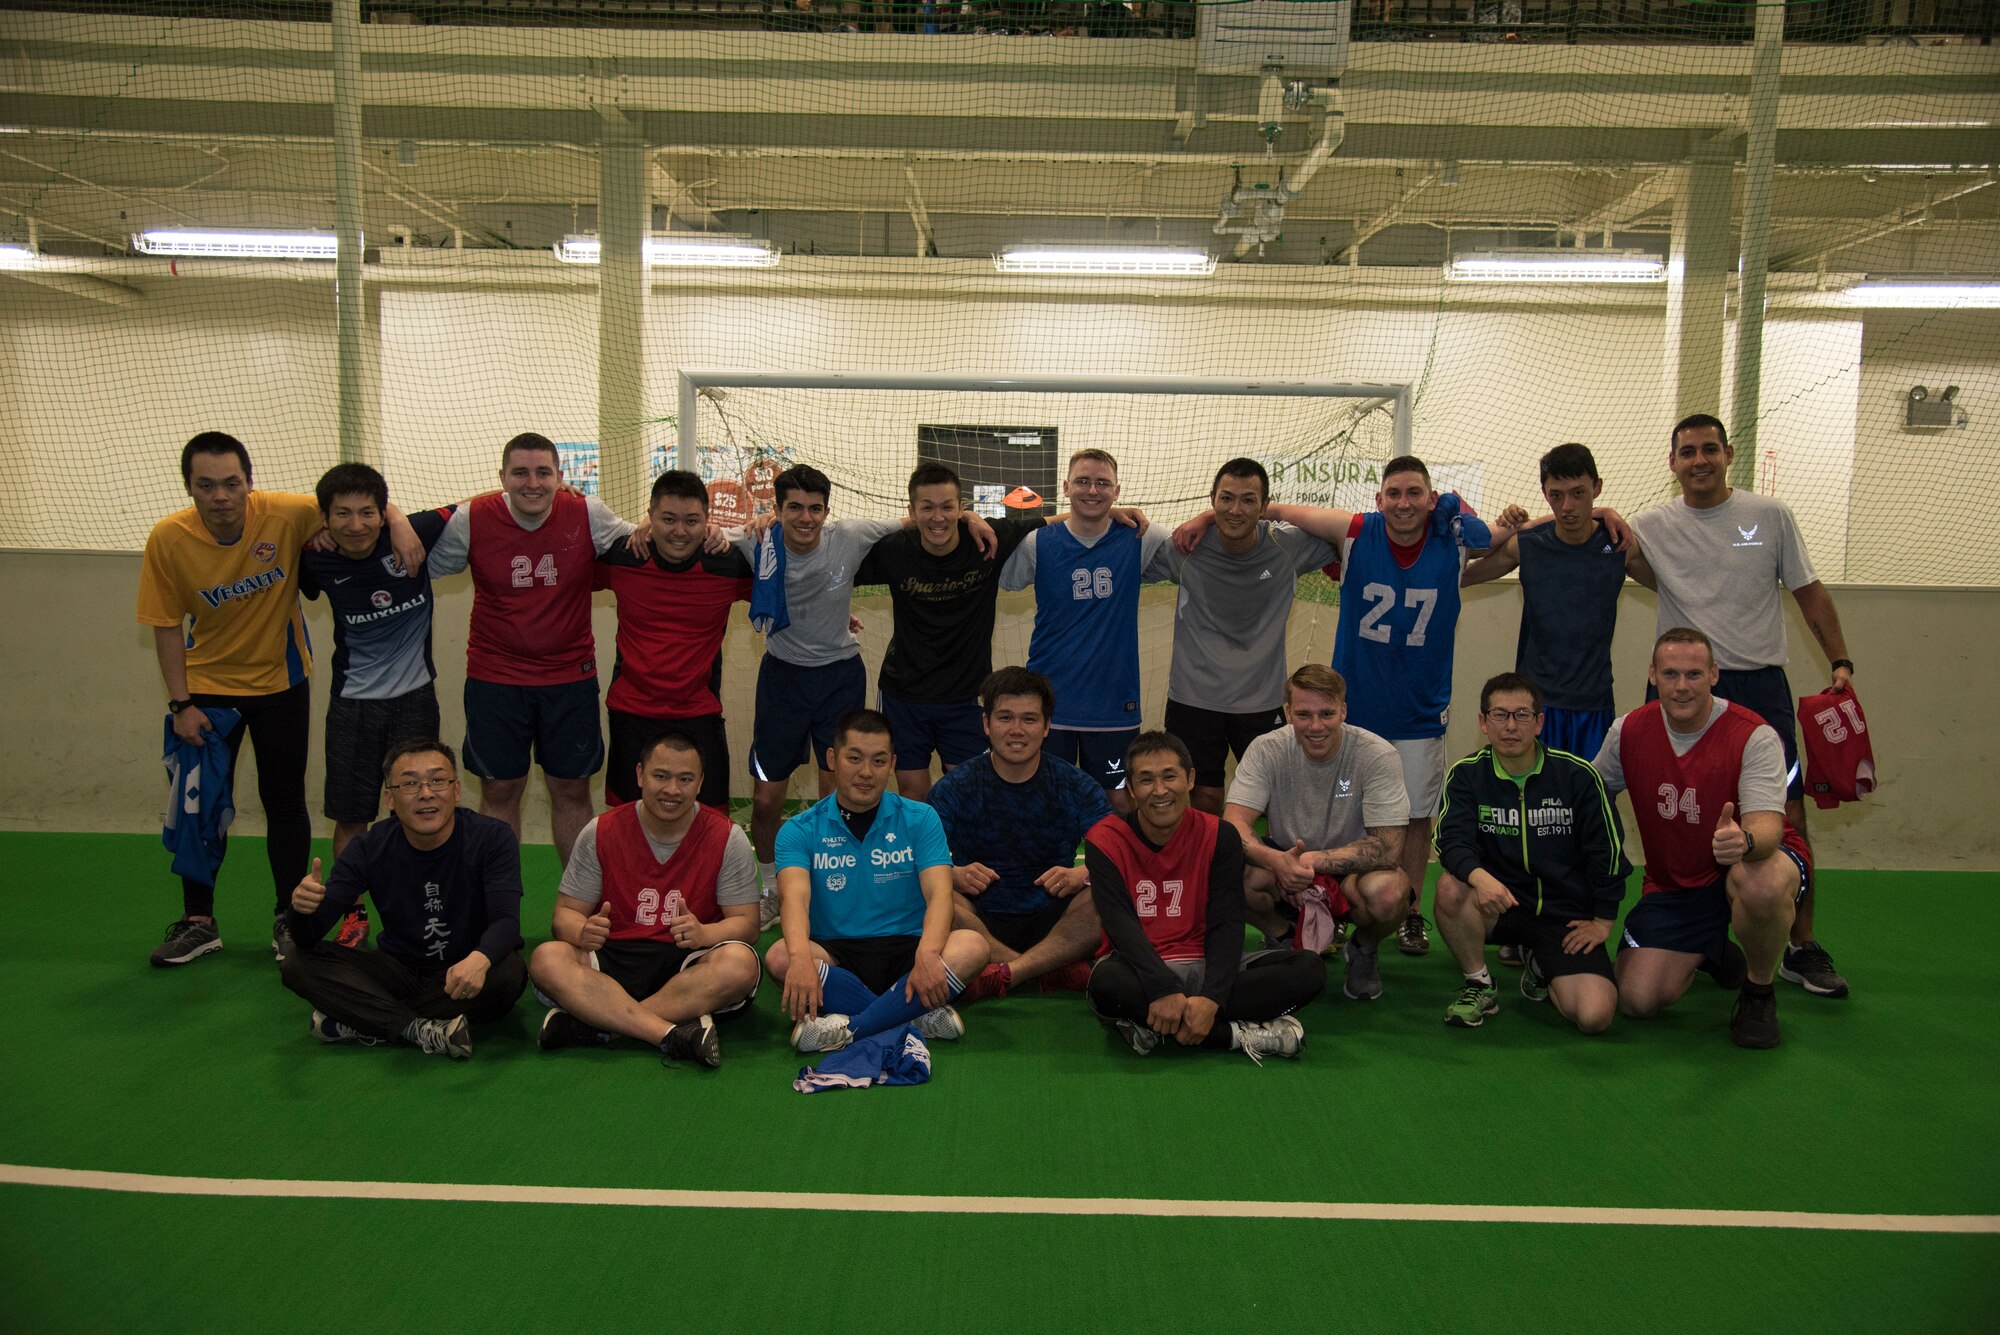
[176, 706]
[1840, 663]
[1749, 844]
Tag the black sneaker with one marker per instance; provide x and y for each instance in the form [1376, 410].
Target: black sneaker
[560, 1029]
[281, 939]
[1730, 971]
[187, 941]
[1808, 965]
[1510, 956]
[695, 1041]
[1753, 1022]
[1534, 983]
[1412, 938]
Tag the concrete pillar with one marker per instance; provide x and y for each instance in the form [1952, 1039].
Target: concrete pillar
[1698, 269]
[623, 219]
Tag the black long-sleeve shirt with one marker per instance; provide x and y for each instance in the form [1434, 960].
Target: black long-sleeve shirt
[1222, 942]
[433, 907]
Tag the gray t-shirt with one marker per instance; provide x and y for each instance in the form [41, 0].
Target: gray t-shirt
[819, 591]
[1229, 625]
[736, 883]
[1759, 787]
[454, 546]
[1328, 804]
[1720, 570]
[1019, 572]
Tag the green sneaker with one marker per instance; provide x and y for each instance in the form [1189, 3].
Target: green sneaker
[1475, 1002]
[1534, 983]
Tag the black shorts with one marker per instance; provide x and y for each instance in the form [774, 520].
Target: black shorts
[359, 734]
[1212, 735]
[1767, 693]
[877, 961]
[796, 710]
[508, 729]
[1020, 931]
[1543, 933]
[952, 728]
[642, 968]
[1101, 755]
[629, 732]
[1695, 922]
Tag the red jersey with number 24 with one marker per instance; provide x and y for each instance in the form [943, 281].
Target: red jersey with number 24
[531, 594]
[1168, 886]
[639, 888]
[1676, 800]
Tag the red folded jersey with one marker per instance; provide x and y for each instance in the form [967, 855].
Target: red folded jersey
[1840, 762]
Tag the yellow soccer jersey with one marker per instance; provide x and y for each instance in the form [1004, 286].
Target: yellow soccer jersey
[239, 604]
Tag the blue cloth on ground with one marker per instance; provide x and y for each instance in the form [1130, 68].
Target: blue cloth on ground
[200, 805]
[768, 612]
[1452, 519]
[893, 1057]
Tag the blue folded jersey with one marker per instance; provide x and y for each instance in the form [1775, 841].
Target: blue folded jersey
[894, 1057]
[769, 612]
[200, 805]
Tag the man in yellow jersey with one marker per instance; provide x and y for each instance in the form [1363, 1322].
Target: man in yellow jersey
[219, 586]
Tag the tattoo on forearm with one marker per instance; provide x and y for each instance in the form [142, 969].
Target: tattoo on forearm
[1366, 854]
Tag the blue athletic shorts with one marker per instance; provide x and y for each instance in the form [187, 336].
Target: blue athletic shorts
[952, 728]
[510, 728]
[1767, 693]
[796, 710]
[1101, 755]
[1577, 731]
[1694, 921]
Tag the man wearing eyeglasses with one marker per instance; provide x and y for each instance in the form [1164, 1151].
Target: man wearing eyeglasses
[1531, 852]
[447, 889]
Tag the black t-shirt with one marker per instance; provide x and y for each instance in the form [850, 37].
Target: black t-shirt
[942, 646]
[381, 616]
[859, 823]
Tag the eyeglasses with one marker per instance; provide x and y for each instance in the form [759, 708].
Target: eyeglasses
[411, 787]
[1513, 715]
[1093, 483]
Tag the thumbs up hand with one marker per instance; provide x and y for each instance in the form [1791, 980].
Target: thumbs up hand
[309, 892]
[596, 931]
[1729, 843]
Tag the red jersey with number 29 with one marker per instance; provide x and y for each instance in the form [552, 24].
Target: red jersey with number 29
[1840, 760]
[531, 594]
[1168, 886]
[639, 888]
[1676, 800]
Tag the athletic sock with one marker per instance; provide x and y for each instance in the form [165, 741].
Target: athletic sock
[841, 992]
[890, 1009]
[1235, 1036]
[768, 872]
[1484, 977]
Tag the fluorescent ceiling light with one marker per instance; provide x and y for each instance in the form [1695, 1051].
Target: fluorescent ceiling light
[1144, 260]
[14, 255]
[1558, 266]
[242, 244]
[1925, 293]
[699, 248]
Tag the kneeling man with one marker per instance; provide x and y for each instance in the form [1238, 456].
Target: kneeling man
[447, 889]
[1168, 884]
[656, 918]
[1529, 843]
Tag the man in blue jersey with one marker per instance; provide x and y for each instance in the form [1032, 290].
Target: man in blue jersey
[1014, 817]
[865, 904]
[1086, 573]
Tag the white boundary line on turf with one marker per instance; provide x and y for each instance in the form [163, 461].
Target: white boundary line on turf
[670, 1198]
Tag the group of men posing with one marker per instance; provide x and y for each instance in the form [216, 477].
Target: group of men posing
[893, 905]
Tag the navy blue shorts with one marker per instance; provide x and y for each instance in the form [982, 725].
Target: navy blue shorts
[796, 710]
[1767, 693]
[1101, 755]
[1693, 921]
[952, 728]
[510, 728]
[1577, 731]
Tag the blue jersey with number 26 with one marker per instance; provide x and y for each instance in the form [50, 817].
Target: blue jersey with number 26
[1086, 637]
[1394, 642]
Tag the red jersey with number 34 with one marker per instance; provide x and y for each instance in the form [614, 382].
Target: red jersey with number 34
[639, 888]
[1840, 760]
[1168, 886]
[531, 594]
[1676, 800]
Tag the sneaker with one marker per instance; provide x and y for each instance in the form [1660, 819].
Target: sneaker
[442, 1038]
[1413, 938]
[329, 1030]
[1258, 1039]
[1811, 967]
[560, 1030]
[281, 939]
[767, 912]
[1364, 972]
[1753, 1021]
[1731, 969]
[1510, 956]
[1141, 1039]
[941, 1022]
[1343, 932]
[695, 1041]
[827, 1033]
[187, 941]
[1475, 1002]
[1070, 978]
[353, 929]
[1534, 983]
[991, 984]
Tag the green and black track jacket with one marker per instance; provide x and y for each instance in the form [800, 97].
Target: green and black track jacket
[1552, 836]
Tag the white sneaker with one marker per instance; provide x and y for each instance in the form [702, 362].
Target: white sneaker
[442, 1038]
[1282, 1037]
[941, 1022]
[767, 912]
[827, 1033]
[1142, 1039]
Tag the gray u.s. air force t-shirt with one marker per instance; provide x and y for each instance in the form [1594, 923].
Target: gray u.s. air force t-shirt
[1229, 624]
[819, 591]
[735, 883]
[1720, 569]
[1328, 804]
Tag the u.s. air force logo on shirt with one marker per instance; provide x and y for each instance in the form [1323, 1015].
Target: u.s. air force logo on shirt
[1749, 536]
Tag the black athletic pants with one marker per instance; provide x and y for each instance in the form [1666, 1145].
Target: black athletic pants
[1270, 983]
[279, 726]
[378, 994]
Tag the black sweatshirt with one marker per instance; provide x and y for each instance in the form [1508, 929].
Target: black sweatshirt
[1552, 838]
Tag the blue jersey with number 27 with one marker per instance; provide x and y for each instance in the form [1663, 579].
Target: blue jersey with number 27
[1086, 637]
[1394, 642]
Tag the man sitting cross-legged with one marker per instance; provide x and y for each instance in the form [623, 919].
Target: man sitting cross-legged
[1014, 817]
[1168, 883]
[1530, 846]
[1335, 808]
[656, 918]
[447, 889]
[864, 888]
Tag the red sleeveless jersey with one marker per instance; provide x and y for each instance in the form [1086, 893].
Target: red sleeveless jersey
[638, 887]
[531, 595]
[1169, 888]
[1840, 760]
[1677, 800]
